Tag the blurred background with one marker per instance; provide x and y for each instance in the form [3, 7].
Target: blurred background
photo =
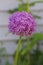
[7, 40]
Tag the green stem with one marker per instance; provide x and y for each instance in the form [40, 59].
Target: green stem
[28, 45]
[28, 6]
[17, 52]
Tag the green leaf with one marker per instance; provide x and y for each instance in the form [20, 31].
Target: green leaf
[36, 57]
[23, 7]
[37, 17]
[12, 11]
[33, 3]
[36, 37]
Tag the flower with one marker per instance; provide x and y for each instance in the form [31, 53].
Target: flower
[21, 23]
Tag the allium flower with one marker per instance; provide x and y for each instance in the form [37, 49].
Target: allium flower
[21, 23]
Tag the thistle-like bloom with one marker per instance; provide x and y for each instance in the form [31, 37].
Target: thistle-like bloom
[21, 23]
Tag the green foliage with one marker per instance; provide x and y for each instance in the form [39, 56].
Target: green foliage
[37, 17]
[36, 2]
[12, 11]
[36, 37]
[36, 58]
[3, 53]
[7, 63]
[24, 7]
[2, 49]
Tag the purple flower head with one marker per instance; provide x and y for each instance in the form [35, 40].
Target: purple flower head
[21, 23]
